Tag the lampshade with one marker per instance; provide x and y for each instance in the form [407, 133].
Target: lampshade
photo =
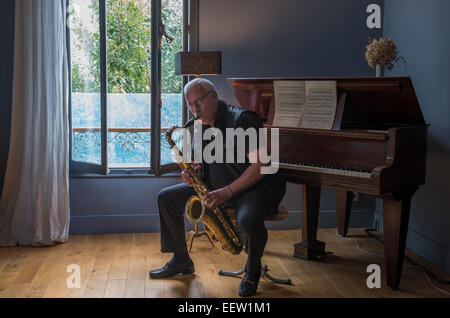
[198, 63]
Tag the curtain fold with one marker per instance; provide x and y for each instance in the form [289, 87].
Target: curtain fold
[34, 205]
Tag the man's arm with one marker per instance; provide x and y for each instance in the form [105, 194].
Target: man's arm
[249, 177]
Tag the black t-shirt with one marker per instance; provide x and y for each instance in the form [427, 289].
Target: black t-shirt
[219, 175]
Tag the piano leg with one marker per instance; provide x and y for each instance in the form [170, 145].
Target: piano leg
[395, 224]
[310, 247]
[343, 208]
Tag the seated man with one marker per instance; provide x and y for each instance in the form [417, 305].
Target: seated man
[238, 185]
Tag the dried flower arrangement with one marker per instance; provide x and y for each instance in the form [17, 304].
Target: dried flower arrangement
[382, 52]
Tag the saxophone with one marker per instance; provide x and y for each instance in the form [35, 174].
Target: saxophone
[217, 221]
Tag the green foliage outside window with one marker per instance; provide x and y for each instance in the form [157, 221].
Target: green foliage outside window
[128, 47]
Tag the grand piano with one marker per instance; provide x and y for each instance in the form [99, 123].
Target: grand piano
[377, 146]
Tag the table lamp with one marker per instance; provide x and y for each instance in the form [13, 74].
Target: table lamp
[198, 63]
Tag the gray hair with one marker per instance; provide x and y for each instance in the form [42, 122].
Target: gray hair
[203, 82]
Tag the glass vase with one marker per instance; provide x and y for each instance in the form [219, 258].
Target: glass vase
[379, 70]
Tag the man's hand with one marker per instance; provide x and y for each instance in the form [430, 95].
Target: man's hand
[187, 179]
[214, 198]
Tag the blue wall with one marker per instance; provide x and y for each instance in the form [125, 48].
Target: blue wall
[286, 38]
[421, 30]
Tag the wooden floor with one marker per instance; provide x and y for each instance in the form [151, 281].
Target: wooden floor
[117, 265]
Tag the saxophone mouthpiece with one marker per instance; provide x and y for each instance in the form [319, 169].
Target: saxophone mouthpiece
[190, 122]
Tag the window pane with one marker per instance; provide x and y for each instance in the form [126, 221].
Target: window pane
[171, 84]
[129, 60]
[86, 107]
[167, 155]
[128, 131]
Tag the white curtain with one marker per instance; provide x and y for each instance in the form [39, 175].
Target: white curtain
[34, 206]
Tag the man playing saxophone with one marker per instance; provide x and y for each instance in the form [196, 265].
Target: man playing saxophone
[240, 186]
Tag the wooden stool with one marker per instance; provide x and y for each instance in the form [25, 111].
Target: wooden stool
[280, 216]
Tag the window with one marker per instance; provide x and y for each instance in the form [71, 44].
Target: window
[124, 91]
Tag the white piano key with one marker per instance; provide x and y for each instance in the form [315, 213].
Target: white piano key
[340, 172]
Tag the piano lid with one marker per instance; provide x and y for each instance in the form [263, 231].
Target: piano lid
[377, 103]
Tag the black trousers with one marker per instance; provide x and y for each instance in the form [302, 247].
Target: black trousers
[251, 207]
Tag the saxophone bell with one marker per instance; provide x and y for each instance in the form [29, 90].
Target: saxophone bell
[194, 209]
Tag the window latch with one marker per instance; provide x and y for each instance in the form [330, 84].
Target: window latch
[163, 33]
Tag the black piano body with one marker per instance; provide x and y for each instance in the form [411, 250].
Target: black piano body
[377, 146]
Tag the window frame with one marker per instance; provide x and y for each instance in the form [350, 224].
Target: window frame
[190, 35]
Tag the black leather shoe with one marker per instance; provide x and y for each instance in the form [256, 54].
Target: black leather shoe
[249, 283]
[172, 270]
[247, 288]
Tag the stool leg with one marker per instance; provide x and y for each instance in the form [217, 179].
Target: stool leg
[264, 270]
[232, 274]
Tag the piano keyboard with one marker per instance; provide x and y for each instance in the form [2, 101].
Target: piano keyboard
[323, 169]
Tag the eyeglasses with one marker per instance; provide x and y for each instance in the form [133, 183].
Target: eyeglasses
[199, 101]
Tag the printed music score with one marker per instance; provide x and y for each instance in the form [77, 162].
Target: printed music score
[305, 104]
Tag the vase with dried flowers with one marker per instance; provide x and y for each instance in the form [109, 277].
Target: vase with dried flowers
[382, 53]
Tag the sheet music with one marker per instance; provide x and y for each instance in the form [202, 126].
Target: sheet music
[321, 99]
[289, 103]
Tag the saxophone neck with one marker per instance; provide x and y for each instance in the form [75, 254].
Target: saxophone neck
[171, 130]
[190, 122]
